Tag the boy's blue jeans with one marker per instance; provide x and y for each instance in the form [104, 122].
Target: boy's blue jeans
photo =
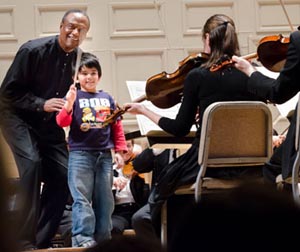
[90, 182]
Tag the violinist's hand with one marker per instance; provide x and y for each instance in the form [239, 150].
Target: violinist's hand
[134, 108]
[120, 182]
[138, 108]
[243, 65]
[278, 140]
[119, 160]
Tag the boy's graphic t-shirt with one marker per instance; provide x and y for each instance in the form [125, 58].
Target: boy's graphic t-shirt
[88, 130]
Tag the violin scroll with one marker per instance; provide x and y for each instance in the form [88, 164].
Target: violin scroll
[225, 60]
[114, 116]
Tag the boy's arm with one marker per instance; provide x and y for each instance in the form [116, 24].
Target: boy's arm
[119, 136]
[63, 118]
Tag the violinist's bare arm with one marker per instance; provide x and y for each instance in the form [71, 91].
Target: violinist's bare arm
[243, 65]
[138, 108]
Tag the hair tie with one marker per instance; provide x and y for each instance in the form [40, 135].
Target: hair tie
[225, 23]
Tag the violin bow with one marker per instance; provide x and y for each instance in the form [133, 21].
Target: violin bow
[79, 54]
[286, 14]
[77, 64]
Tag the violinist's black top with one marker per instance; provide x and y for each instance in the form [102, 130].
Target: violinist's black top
[202, 88]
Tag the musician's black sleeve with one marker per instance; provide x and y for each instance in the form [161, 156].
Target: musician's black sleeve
[185, 118]
[144, 162]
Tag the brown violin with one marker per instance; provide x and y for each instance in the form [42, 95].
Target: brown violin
[114, 116]
[271, 52]
[164, 90]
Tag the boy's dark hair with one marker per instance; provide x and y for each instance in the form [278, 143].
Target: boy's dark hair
[89, 60]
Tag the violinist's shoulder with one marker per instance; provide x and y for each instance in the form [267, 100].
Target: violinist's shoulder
[196, 71]
[196, 74]
[295, 34]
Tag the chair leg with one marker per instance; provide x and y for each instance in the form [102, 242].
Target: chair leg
[164, 228]
[198, 187]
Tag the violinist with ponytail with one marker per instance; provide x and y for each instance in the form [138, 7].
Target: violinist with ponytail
[201, 88]
[278, 91]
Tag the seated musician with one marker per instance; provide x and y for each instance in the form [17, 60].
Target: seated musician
[202, 87]
[130, 190]
[150, 160]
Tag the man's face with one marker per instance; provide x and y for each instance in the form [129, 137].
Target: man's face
[73, 31]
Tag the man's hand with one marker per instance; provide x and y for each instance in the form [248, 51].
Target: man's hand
[54, 104]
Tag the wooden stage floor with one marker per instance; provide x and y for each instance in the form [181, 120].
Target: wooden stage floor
[70, 249]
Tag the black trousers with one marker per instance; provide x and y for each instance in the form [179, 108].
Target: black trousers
[121, 217]
[41, 155]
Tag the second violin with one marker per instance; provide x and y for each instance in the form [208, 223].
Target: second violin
[272, 52]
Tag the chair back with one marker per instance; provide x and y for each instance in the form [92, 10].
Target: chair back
[237, 133]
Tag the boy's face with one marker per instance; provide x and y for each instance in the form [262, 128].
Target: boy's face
[88, 79]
